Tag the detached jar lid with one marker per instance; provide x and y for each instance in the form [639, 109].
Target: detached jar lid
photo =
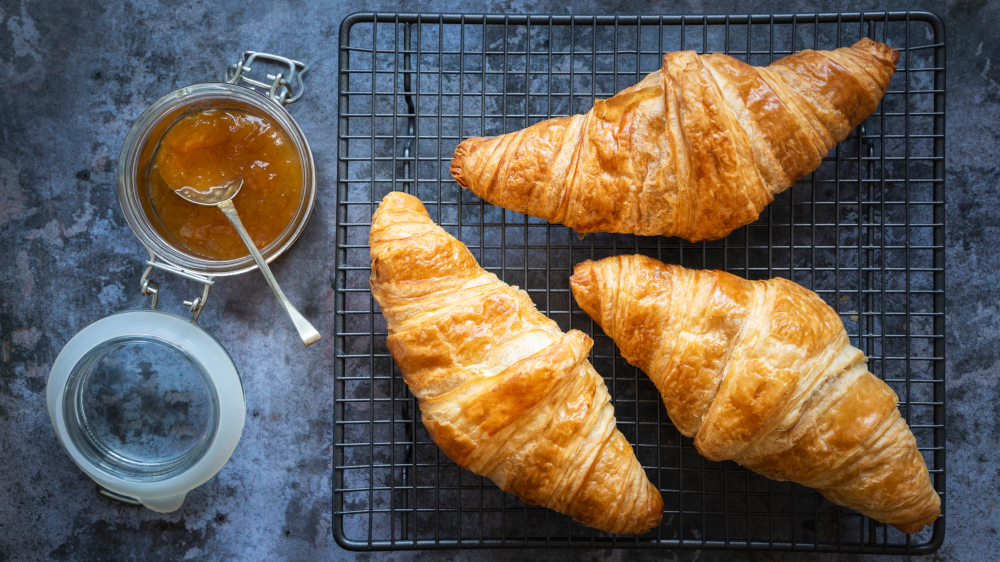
[148, 404]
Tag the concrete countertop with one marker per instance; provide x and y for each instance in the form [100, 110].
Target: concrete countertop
[75, 75]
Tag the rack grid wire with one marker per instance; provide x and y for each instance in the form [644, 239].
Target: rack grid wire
[865, 231]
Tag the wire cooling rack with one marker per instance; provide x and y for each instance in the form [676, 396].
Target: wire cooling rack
[865, 231]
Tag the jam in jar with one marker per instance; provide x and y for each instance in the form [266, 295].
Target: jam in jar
[206, 148]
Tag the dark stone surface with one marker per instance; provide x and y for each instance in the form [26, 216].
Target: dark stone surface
[75, 74]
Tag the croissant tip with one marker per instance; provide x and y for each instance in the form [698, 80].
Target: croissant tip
[910, 528]
[581, 270]
[649, 517]
[917, 526]
[582, 279]
[880, 50]
[400, 200]
[392, 202]
[583, 285]
[458, 158]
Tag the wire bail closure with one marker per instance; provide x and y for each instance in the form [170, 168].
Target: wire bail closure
[151, 287]
[284, 88]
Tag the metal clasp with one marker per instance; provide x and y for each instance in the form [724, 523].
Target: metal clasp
[151, 287]
[116, 496]
[284, 88]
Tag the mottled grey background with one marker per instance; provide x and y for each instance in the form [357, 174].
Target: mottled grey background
[73, 77]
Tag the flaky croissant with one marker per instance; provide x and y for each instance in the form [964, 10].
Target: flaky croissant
[763, 373]
[695, 150]
[502, 390]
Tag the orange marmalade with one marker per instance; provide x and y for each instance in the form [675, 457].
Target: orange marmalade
[207, 148]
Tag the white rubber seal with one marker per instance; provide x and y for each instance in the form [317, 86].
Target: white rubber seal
[168, 494]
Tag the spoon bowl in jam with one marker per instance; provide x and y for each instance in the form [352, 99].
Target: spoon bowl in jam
[212, 195]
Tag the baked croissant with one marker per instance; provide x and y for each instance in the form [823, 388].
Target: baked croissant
[502, 390]
[695, 150]
[762, 373]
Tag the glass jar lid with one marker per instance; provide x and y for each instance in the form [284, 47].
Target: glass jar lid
[147, 404]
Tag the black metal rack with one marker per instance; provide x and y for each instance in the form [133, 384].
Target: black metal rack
[865, 231]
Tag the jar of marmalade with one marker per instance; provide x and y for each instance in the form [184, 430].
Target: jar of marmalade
[144, 199]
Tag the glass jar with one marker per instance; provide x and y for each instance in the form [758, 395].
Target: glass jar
[147, 404]
[144, 137]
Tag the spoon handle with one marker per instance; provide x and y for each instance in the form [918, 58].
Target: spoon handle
[306, 330]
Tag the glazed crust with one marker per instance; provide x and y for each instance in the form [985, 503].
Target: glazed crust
[501, 389]
[763, 373]
[695, 150]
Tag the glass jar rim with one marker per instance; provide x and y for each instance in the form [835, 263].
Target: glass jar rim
[116, 460]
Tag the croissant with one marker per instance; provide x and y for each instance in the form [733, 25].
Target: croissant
[762, 373]
[695, 150]
[501, 389]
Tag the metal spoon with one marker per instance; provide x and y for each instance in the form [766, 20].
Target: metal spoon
[221, 196]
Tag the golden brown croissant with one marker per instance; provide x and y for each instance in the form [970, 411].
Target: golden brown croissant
[762, 373]
[502, 390]
[696, 149]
